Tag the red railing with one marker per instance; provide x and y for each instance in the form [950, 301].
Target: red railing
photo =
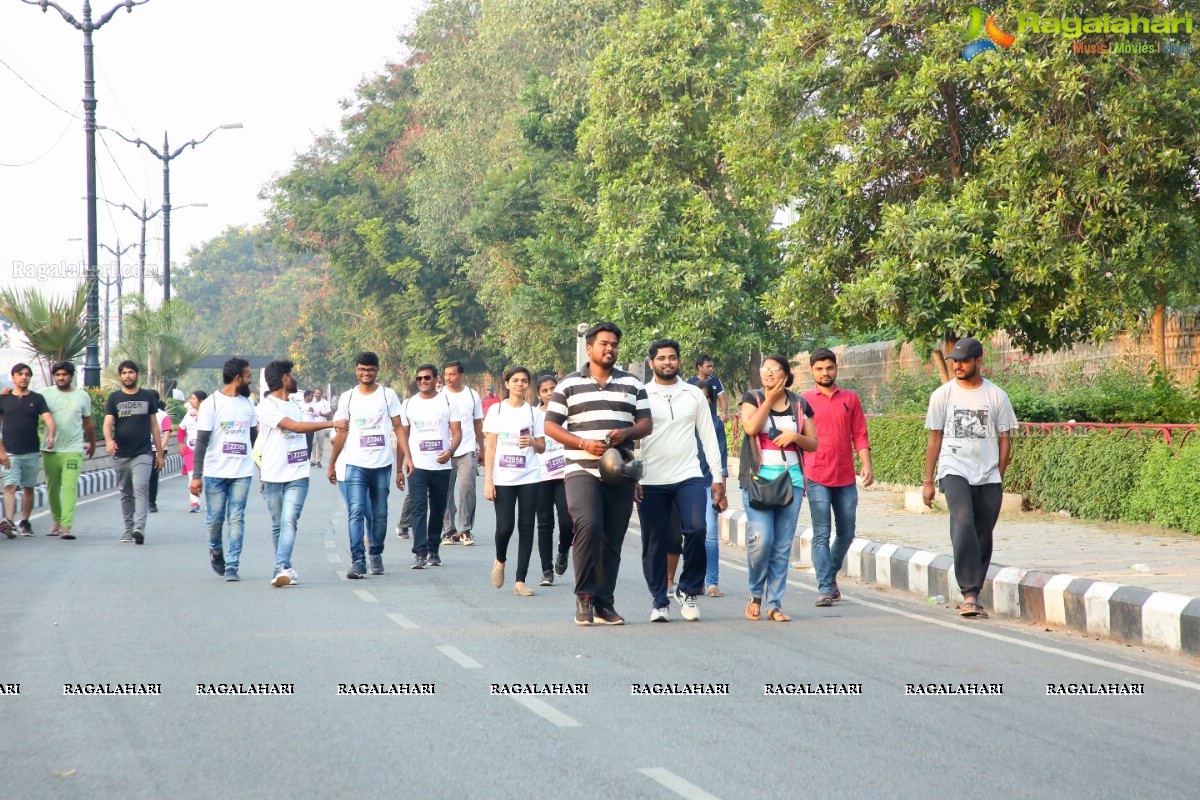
[1173, 434]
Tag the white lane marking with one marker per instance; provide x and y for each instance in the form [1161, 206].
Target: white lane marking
[677, 784]
[403, 622]
[546, 711]
[341, 575]
[78, 503]
[333, 558]
[330, 544]
[366, 596]
[459, 657]
[971, 629]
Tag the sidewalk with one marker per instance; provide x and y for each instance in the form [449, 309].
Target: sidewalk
[1048, 569]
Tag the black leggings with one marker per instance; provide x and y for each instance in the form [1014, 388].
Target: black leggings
[523, 499]
[552, 497]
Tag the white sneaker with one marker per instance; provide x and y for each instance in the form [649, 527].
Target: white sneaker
[291, 573]
[687, 605]
[661, 614]
[281, 578]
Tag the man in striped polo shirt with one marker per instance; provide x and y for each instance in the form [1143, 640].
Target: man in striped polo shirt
[587, 406]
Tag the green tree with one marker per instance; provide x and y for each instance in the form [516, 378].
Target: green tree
[161, 342]
[53, 326]
[1031, 190]
[683, 248]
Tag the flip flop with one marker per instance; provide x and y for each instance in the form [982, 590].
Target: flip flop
[754, 609]
[775, 615]
[66, 534]
[713, 591]
[970, 608]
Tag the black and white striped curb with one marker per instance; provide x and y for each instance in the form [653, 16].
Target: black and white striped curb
[99, 480]
[1098, 608]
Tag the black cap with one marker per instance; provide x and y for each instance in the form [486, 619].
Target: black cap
[965, 349]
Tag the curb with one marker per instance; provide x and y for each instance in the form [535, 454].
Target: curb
[1125, 614]
[99, 480]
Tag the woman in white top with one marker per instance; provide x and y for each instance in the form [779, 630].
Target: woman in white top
[552, 497]
[187, 440]
[514, 436]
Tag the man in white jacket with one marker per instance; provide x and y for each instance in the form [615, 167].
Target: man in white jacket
[674, 479]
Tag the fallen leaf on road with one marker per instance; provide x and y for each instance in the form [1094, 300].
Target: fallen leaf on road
[66, 774]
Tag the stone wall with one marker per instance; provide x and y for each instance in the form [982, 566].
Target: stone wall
[869, 367]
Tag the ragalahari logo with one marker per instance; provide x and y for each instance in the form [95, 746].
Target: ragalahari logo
[976, 26]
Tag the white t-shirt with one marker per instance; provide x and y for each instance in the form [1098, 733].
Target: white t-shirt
[514, 465]
[157, 433]
[970, 421]
[284, 453]
[314, 410]
[230, 420]
[188, 426]
[369, 441]
[470, 409]
[428, 423]
[554, 460]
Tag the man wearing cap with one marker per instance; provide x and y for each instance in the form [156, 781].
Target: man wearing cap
[20, 411]
[970, 422]
[489, 400]
[63, 458]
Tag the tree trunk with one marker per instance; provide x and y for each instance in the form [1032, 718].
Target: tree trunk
[939, 357]
[1158, 335]
[754, 380]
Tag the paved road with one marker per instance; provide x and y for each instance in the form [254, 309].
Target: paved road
[95, 611]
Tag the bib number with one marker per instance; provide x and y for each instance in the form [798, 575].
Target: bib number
[431, 446]
[556, 464]
[512, 462]
[234, 448]
[371, 440]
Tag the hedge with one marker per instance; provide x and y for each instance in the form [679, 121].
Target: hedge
[1092, 474]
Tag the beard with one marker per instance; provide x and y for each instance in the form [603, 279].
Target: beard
[665, 373]
[244, 390]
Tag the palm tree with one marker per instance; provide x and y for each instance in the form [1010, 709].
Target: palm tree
[54, 326]
[158, 341]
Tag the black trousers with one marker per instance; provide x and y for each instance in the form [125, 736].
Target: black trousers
[552, 498]
[973, 514]
[601, 516]
[686, 501]
[153, 498]
[523, 501]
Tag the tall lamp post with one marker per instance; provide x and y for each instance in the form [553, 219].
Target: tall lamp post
[166, 156]
[91, 365]
[143, 218]
[118, 252]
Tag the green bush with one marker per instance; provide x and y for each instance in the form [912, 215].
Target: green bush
[1168, 490]
[175, 410]
[898, 448]
[99, 398]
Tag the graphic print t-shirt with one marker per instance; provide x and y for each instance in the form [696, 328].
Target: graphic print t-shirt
[134, 424]
[369, 441]
[284, 453]
[971, 421]
[514, 465]
[428, 423]
[230, 420]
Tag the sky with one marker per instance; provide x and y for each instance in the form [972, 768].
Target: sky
[278, 67]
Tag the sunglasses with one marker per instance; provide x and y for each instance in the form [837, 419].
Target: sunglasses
[424, 378]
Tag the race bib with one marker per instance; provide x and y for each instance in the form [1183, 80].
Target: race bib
[371, 440]
[234, 448]
[556, 464]
[297, 456]
[512, 462]
[431, 446]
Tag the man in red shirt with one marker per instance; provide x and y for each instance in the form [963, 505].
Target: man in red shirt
[489, 400]
[829, 472]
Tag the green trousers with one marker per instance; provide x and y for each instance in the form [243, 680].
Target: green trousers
[62, 485]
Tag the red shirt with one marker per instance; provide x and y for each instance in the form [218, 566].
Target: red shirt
[487, 403]
[841, 431]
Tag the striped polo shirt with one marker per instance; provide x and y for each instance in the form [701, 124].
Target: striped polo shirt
[590, 411]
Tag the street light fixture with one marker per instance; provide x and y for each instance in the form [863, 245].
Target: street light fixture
[118, 252]
[143, 218]
[91, 365]
[166, 156]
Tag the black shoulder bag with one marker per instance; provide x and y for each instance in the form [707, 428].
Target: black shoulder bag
[764, 494]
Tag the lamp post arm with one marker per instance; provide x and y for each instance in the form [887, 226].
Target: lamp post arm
[127, 5]
[66, 15]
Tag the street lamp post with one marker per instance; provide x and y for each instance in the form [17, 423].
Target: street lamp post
[166, 156]
[91, 366]
[143, 218]
[120, 251]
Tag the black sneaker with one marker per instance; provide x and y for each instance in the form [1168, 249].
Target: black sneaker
[584, 615]
[433, 560]
[607, 615]
[24, 528]
[376, 564]
[217, 559]
[154, 508]
[419, 562]
[560, 564]
[547, 578]
[357, 570]
[466, 539]
[139, 537]
[449, 538]
[402, 532]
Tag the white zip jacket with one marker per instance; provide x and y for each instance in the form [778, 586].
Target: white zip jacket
[680, 411]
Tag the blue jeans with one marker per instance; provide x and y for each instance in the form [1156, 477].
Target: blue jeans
[843, 502]
[712, 545]
[344, 488]
[284, 502]
[367, 487]
[768, 547]
[226, 497]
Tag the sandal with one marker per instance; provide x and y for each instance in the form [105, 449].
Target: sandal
[713, 591]
[970, 608]
[754, 609]
[775, 615]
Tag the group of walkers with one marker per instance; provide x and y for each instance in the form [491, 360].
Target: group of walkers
[551, 451]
